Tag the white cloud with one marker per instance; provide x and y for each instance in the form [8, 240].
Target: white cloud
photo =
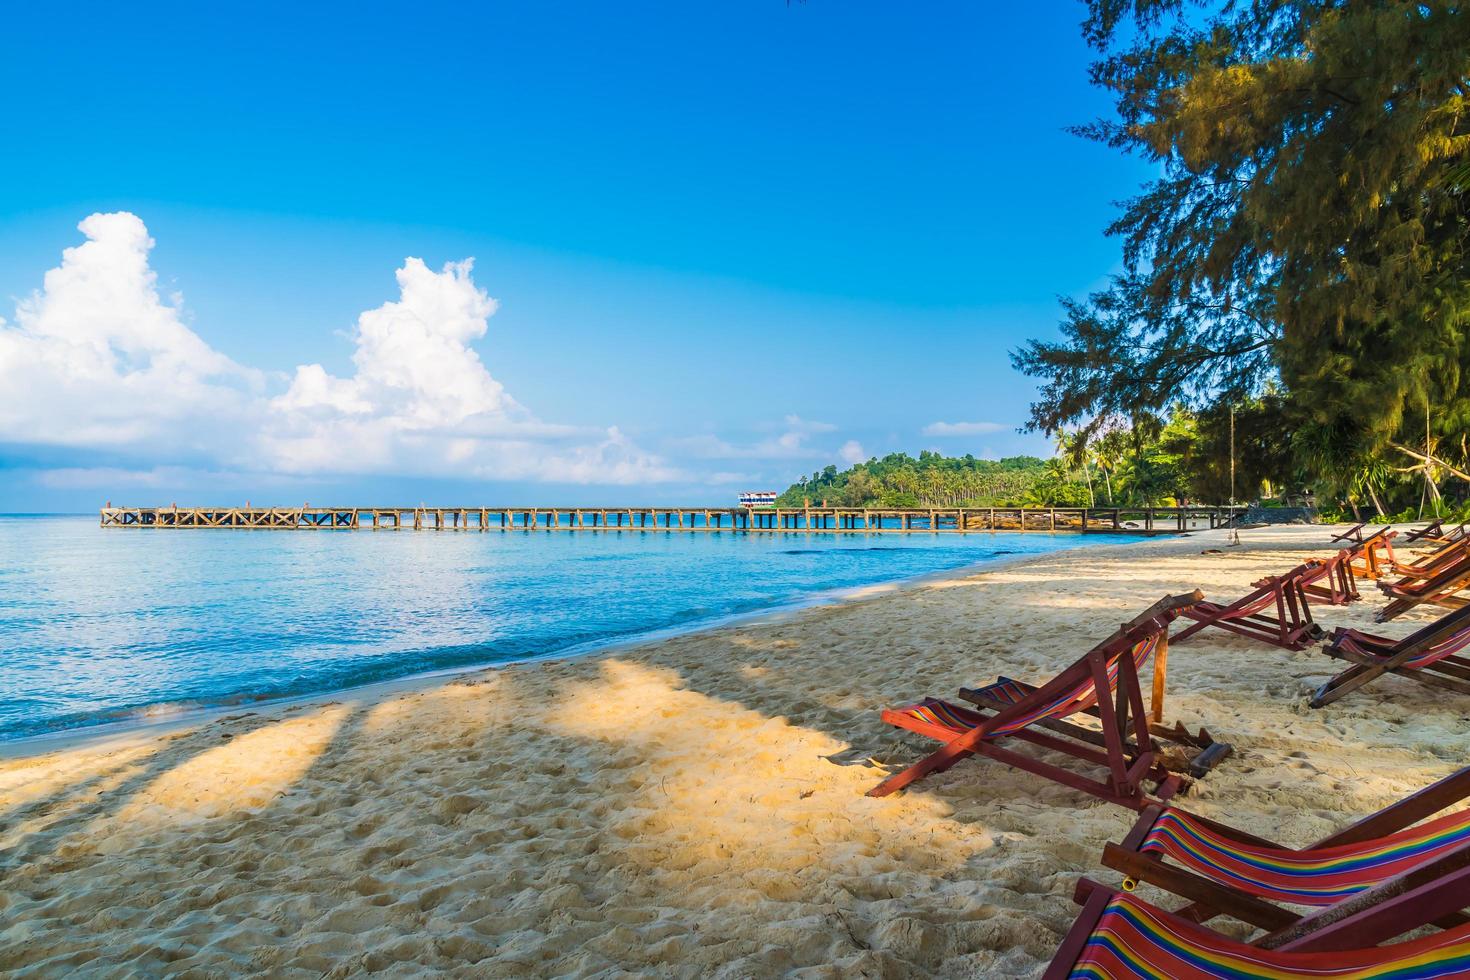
[420, 399]
[726, 477]
[796, 423]
[97, 359]
[961, 428]
[95, 477]
[109, 478]
[852, 452]
[793, 443]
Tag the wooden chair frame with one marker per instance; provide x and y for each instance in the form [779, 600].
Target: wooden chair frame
[1366, 552]
[1354, 533]
[1209, 898]
[1458, 534]
[1450, 673]
[1124, 748]
[1291, 627]
[1341, 585]
[1431, 532]
[1427, 565]
[1440, 589]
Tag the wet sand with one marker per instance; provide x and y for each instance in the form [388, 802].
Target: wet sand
[692, 807]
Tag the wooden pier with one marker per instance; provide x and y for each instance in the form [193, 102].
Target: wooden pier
[951, 520]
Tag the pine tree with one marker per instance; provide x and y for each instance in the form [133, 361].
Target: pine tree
[1309, 226]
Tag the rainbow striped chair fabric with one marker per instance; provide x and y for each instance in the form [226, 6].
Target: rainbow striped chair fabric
[1312, 876]
[1430, 656]
[1121, 936]
[1222, 870]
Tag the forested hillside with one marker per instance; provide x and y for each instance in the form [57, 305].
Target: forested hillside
[900, 480]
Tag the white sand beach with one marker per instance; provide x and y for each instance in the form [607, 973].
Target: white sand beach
[673, 809]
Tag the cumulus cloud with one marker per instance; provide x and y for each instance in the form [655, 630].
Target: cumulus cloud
[421, 399]
[961, 428]
[96, 358]
[852, 452]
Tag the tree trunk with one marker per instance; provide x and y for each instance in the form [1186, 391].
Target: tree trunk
[1432, 459]
[1377, 504]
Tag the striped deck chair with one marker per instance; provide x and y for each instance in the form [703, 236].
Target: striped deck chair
[1354, 533]
[1276, 613]
[1117, 936]
[1224, 870]
[1330, 580]
[1432, 532]
[1441, 589]
[1124, 747]
[1430, 655]
[1427, 565]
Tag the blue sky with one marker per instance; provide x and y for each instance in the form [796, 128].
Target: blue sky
[749, 239]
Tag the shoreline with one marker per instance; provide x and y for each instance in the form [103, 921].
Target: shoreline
[157, 719]
[690, 807]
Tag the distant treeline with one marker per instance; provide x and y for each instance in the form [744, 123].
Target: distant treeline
[1182, 458]
[932, 480]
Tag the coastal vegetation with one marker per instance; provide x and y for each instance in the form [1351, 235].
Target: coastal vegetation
[1214, 454]
[1301, 263]
[1160, 462]
[931, 480]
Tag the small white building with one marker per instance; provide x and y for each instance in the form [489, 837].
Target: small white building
[758, 498]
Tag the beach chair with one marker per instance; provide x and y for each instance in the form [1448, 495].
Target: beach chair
[1426, 565]
[1441, 589]
[1432, 532]
[1103, 683]
[1365, 560]
[1276, 612]
[1118, 935]
[1429, 655]
[1222, 870]
[1354, 533]
[1328, 581]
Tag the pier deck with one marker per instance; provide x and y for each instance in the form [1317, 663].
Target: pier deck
[952, 520]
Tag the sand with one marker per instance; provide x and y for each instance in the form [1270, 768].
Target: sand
[690, 808]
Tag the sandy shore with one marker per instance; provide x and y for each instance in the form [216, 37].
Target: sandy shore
[675, 809]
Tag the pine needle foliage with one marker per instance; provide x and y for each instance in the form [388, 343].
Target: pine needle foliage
[1307, 234]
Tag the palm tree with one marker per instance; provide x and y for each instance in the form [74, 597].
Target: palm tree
[1370, 476]
[1106, 453]
[1072, 449]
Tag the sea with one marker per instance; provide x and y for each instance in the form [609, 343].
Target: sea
[107, 626]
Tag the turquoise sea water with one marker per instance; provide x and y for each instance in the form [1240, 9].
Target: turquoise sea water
[100, 625]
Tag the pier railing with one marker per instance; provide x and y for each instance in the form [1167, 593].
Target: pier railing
[813, 519]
